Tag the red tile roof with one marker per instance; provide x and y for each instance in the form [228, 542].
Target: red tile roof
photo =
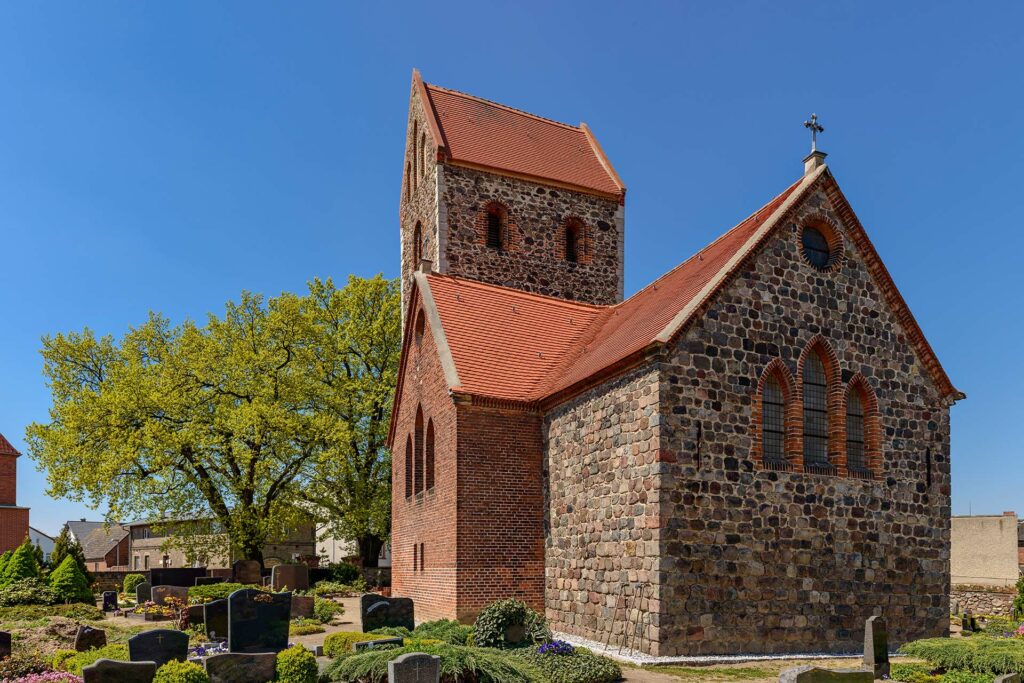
[483, 133]
[6, 448]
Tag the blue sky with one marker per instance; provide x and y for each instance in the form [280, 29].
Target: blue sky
[166, 156]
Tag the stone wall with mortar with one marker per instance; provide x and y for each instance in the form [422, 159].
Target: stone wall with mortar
[981, 600]
[760, 561]
[418, 201]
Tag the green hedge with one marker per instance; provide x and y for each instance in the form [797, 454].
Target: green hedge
[480, 665]
[582, 666]
[447, 630]
[71, 661]
[978, 653]
[340, 643]
[217, 591]
[76, 611]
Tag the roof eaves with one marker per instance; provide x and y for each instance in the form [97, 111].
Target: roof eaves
[603, 158]
[430, 112]
[444, 351]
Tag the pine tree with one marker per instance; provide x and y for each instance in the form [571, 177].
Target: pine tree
[65, 545]
[22, 564]
[4, 560]
[40, 558]
[69, 583]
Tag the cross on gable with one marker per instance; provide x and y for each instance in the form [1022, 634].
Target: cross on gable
[815, 128]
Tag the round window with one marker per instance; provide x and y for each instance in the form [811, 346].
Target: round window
[816, 248]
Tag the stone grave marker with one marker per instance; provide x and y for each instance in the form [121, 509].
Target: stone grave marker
[5, 644]
[379, 612]
[109, 601]
[111, 671]
[161, 646]
[143, 592]
[812, 674]
[258, 621]
[1007, 678]
[415, 667]
[248, 572]
[161, 593]
[237, 667]
[302, 606]
[968, 622]
[88, 638]
[209, 580]
[196, 614]
[293, 577]
[374, 644]
[215, 619]
[176, 576]
[876, 647]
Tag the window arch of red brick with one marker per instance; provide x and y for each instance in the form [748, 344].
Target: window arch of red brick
[794, 457]
[833, 235]
[872, 423]
[583, 236]
[509, 231]
[408, 466]
[428, 457]
[418, 452]
[834, 402]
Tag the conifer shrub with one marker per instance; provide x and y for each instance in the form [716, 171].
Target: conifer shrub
[340, 643]
[297, 665]
[131, 582]
[69, 584]
[22, 564]
[181, 672]
[979, 654]
[458, 663]
[4, 559]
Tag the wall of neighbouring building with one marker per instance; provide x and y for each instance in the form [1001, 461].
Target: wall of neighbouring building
[984, 550]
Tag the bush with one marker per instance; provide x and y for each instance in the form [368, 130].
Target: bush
[69, 584]
[979, 653]
[458, 663]
[131, 582]
[561, 663]
[913, 673]
[305, 627]
[215, 591]
[27, 592]
[48, 677]
[443, 630]
[325, 610]
[69, 660]
[181, 672]
[343, 572]
[22, 564]
[340, 643]
[503, 619]
[324, 588]
[76, 611]
[297, 665]
[18, 665]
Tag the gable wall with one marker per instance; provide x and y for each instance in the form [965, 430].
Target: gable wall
[760, 561]
[418, 200]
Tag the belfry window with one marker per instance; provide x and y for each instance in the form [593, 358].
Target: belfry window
[773, 422]
[495, 227]
[417, 245]
[815, 412]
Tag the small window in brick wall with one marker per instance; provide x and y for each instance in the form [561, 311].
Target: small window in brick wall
[423, 557]
[420, 327]
[418, 453]
[495, 227]
[428, 464]
[408, 467]
[415, 557]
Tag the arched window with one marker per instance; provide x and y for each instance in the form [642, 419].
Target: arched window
[408, 467]
[408, 180]
[495, 227]
[418, 456]
[428, 466]
[856, 460]
[815, 411]
[420, 327]
[423, 154]
[415, 152]
[928, 467]
[773, 422]
[417, 245]
[575, 246]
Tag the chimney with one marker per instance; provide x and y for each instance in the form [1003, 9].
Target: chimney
[426, 265]
[813, 160]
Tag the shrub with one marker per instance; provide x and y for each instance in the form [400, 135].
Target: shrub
[505, 619]
[305, 627]
[18, 665]
[324, 588]
[69, 584]
[30, 591]
[48, 677]
[340, 643]
[215, 591]
[457, 664]
[76, 611]
[22, 564]
[63, 546]
[68, 660]
[325, 610]
[4, 559]
[181, 672]
[297, 665]
[565, 664]
[343, 572]
[979, 653]
[131, 582]
[913, 673]
[443, 630]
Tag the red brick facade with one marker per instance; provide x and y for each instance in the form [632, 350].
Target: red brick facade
[13, 519]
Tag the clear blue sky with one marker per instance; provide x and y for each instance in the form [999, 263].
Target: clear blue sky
[166, 156]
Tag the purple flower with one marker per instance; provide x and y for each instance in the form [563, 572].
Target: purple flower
[556, 647]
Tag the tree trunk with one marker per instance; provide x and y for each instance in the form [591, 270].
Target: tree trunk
[369, 549]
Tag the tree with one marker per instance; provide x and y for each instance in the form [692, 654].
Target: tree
[221, 421]
[40, 556]
[69, 583]
[4, 560]
[65, 545]
[22, 564]
[355, 343]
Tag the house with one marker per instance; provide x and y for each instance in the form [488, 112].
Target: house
[984, 550]
[104, 545]
[42, 541]
[749, 455]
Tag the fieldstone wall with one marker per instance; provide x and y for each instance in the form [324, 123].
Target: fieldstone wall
[979, 600]
[419, 195]
[602, 503]
[760, 561]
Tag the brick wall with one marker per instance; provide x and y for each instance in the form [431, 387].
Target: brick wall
[8, 479]
[13, 527]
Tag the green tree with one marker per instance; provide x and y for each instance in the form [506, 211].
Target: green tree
[220, 421]
[69, 583]
[40, 558]
[4, 560]
[355, 338]
[22, 564]
[65, 545]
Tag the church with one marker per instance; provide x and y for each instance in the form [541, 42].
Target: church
[749, 455]
[13, 518]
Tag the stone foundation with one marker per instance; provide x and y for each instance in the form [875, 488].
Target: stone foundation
[982, 600]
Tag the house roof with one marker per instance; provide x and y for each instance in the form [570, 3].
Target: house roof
[101, 541]
[6, 448]
[481, 133]
[508, 345]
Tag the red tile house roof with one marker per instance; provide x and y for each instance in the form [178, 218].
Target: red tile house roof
[6, 448]
[479, 133]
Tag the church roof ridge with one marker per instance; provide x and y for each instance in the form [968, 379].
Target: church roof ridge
[6, 448]
[508, 108]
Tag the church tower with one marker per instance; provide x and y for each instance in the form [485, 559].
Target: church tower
[495, 194]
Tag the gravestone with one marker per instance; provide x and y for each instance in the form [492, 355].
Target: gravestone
[302, 606]
[109, 601]
[294, 577]
[196, 614]
[236, 667]
[248, 572]
[876, 646]
[1007, 678]
[5, 644]
[143, 592]
[161, 646]
[215, 619]
[812, 674]
[88, 638]
[258, 621]
[379, 612]
[110, 671]
[176, 576]
[374, 644]
[161, 593]
[415, 667]
[969, 623]
[209, 580]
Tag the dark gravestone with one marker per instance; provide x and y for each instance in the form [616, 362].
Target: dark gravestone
[415, 667]
[236, 667]
[161, 593]
[1007, 678]
[143, 592]
[294, 577]
[375, 644]
[876, 647]
[209, 580]
[248, 572]
[215, 619]
[196, 614]
[110, 671]
[812, 674]
[161, 646]
[109, 601]
[302, 606]
[258, 621]
[380, 612]
[88, 638]
[5, 644]
[176, 576]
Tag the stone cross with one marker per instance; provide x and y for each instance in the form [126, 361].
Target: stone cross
[815, 128]
[876, 647]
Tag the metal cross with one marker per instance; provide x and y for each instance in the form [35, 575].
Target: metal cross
[815, 128]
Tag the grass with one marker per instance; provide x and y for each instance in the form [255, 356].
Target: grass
[715, 673]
